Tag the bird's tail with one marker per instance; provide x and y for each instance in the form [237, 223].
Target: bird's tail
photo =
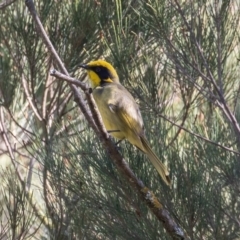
[161, 168]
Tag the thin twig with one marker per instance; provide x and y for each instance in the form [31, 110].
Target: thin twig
[29, 175]
[29, 98]
[7, 143]
[6, 3]
[223, 105]
[29, 196]
[48, 83]
[40, 30]
[69, 79]
[199, 136]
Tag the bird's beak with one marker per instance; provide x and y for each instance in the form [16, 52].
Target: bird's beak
[85, 66]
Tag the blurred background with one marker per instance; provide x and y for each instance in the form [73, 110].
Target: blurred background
[180, 60]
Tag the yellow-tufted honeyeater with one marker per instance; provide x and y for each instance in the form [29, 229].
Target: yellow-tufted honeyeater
[120, 113]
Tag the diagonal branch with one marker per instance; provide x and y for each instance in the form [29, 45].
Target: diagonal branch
[6, 3]
[30, 100]
[222, 104]
[95, 122]
[28, 193]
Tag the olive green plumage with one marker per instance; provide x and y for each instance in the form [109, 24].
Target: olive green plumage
[120, 113]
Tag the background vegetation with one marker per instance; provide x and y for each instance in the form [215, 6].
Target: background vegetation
[180, 60]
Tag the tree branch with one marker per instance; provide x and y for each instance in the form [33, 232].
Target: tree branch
[32, 202]
[146, 195]
[6, 3]
[222, 101]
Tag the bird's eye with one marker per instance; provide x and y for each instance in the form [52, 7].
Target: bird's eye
[97, 69]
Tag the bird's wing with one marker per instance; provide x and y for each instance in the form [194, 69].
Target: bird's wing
[130, 122]
[129, 113]
[135, 135]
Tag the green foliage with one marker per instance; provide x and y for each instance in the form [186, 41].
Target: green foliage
[180, 61]
[7, 86]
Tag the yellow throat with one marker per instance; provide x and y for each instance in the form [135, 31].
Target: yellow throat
[100, 72]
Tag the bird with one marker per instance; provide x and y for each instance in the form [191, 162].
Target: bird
[119, 111]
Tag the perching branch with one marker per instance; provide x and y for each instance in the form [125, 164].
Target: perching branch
[95, 122]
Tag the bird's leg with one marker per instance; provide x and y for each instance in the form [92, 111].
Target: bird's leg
[118, 142]
[117, 146]
[110, 131]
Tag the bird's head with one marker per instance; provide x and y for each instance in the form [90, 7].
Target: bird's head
[100, 72]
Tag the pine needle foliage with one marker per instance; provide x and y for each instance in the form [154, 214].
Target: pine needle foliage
[180, 60]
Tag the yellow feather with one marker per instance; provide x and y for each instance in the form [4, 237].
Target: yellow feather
[95, 79]
[120, 113]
